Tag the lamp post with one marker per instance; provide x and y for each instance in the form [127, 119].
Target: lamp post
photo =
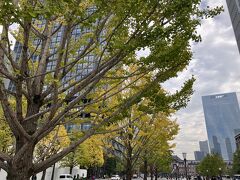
[220, 172]
[185, 163]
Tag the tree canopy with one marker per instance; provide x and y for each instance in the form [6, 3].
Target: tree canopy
[88, 154]
[211, 165]
[69, 49]
[144, 138]
[236, 162]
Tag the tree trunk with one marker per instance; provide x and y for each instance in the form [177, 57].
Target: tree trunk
[89, 173]
[156, 173]
[129, 170]
[20, 173]
[151, 172]
[70, 169]
[17, 176]
[129, 159]
[21, 168]
[43, 175]
[145, 169]
[53, 171]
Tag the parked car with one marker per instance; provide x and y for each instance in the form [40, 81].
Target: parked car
[135, 176]
[236, 177]
[226, 177]
[115, 177]
[65, 177]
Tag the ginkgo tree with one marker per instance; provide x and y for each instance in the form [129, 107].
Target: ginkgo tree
[146, 131]
[158, 157]
[6, 138]
[91, 154]
[51, 144]
[142, 140]
[88, 155]
[157, 153]
[111, 32]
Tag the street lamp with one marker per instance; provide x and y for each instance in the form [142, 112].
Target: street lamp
[185, 163]
[220, 172]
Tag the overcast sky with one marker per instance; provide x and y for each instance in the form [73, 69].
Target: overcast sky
[216, 66]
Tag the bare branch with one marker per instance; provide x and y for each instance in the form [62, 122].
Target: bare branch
[13, 123]
[58, 156]
[4, 157]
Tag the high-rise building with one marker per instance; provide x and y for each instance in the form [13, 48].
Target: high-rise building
[237, 140]
[204, 146]
[80, 70]
[5, 60]
[199, 155]
[234, 11]
[222, 116]
[229, 148]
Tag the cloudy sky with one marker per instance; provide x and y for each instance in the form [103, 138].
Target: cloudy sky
[216, 66]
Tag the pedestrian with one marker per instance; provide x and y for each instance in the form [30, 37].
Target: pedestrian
[34, 177]
[199, 177]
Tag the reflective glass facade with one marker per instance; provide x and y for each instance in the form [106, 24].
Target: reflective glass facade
[86, 65]
[234, 11]
[199, 155]
[222, 116]
[80, 70]
[204, 147]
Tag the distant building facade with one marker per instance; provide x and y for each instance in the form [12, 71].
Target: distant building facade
[204, 147]
[199, 155]
[234, 11]
[178, 168]
[6, 62]
[79, 71]
[237, 139]
[222, 116]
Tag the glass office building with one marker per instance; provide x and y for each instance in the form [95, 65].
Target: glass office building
[204, 147]
[222, 116]
[199, 155]
[80, 70]
[234, 11]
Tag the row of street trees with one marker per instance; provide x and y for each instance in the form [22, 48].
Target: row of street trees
[42, 100]
[213, 165]
[144, 142]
